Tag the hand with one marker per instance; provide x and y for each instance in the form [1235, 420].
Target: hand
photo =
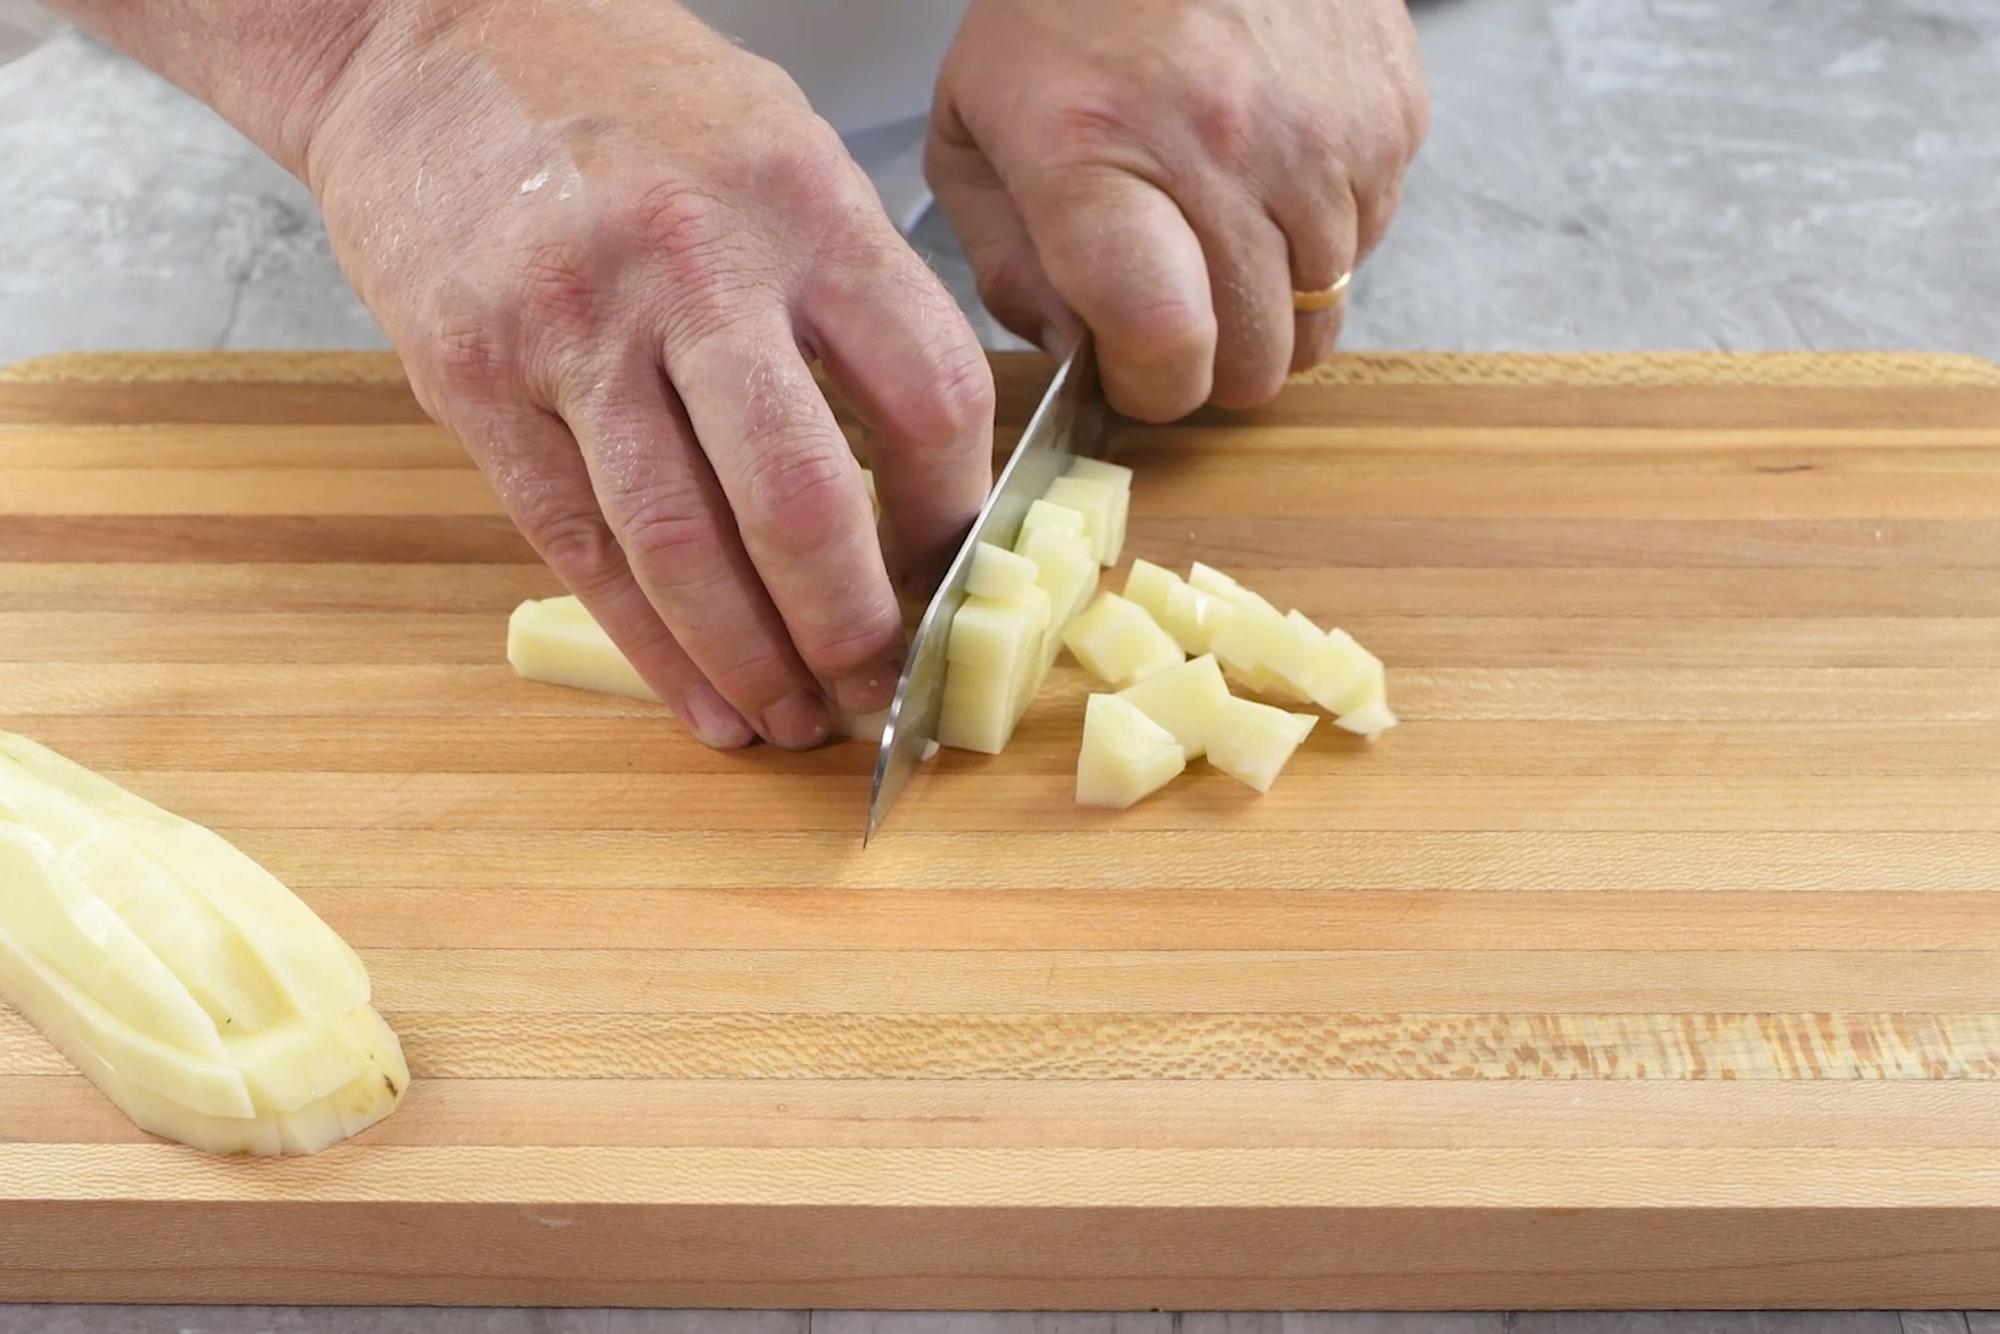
[1169, 171]
[607, 244]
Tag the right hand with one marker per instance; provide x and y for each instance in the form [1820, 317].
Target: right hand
[607, 243]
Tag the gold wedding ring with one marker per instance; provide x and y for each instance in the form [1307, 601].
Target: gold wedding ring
[1311, 303]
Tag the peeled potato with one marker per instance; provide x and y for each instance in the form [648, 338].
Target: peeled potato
[1254, 742]
[189, 985]
[1116, 641]
[1125, 756]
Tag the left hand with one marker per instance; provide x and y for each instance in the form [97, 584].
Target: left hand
[1168, 172]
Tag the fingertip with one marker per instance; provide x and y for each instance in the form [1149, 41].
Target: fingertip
[713, 721]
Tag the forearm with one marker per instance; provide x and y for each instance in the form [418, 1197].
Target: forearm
[270, 66]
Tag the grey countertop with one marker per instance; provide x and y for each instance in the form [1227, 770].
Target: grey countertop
[1603, 173]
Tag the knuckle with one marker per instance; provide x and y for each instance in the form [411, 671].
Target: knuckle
[955, 405]
[472, 359]
[578, 547]
[1086, 127]
[751, 671]
[1224, 116]
[559, 291]
[667, 531]
[800, 494]
[857, 640]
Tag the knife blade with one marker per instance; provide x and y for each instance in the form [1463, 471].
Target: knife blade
[1071, 419]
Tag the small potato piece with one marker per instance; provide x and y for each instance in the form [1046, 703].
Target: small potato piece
[555, 640]
[1119, 478]
[1370, 720]
[999, 574]
[1248, 639]
[1345, 675]
[1117, 642]
[1044, 514]
[1187, 700]
[1253, 742]
[1125, 754]
[1066, 572]
[1100, 504]
[1194, 618]
[1213, 582]
[1100, 470]
[992, 634]
[1150, 586]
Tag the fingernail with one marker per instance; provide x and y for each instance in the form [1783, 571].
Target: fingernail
[798, 721]
[867, 691]
[714, 721]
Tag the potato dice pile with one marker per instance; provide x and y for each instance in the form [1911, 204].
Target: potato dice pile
[1023, 607]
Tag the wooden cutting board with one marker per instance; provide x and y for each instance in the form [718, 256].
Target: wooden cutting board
[1654, 962]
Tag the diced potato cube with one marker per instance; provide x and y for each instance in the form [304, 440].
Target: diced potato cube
[1149, 585]
[995, 635]
[1043, 514]
[1101, 470]
[1193, 617]
[1118, 477]
[1187, 700]
[1370, 720]
[1253, 742]
[1099, 503]
[1345, 676]
[999, 574]
[978, 712]
[1125, 754]
[1248, 639]
[1116, 641]
[1066, 572]
[1213, 582]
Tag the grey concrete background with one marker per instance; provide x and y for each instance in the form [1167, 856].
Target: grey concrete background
[1603, 173]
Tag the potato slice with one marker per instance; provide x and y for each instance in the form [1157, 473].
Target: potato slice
[1253, 742]
[1191, 616]
[1117, 642]
[1370, 720]
[555, 640]
[1187, 700]
[1125, 756]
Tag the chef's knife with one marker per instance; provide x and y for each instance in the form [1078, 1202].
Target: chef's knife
[1071, 419]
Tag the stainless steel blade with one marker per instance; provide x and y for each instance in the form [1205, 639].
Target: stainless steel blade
[1071, 419]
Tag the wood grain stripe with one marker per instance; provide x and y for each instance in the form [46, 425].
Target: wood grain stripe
[654, 981]
[1453, 694]
[1322, 795]
[1116, 859]
[653, 743]
[503, 916]
[1350, 1114]
[1341, 595]
[1690, 644]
